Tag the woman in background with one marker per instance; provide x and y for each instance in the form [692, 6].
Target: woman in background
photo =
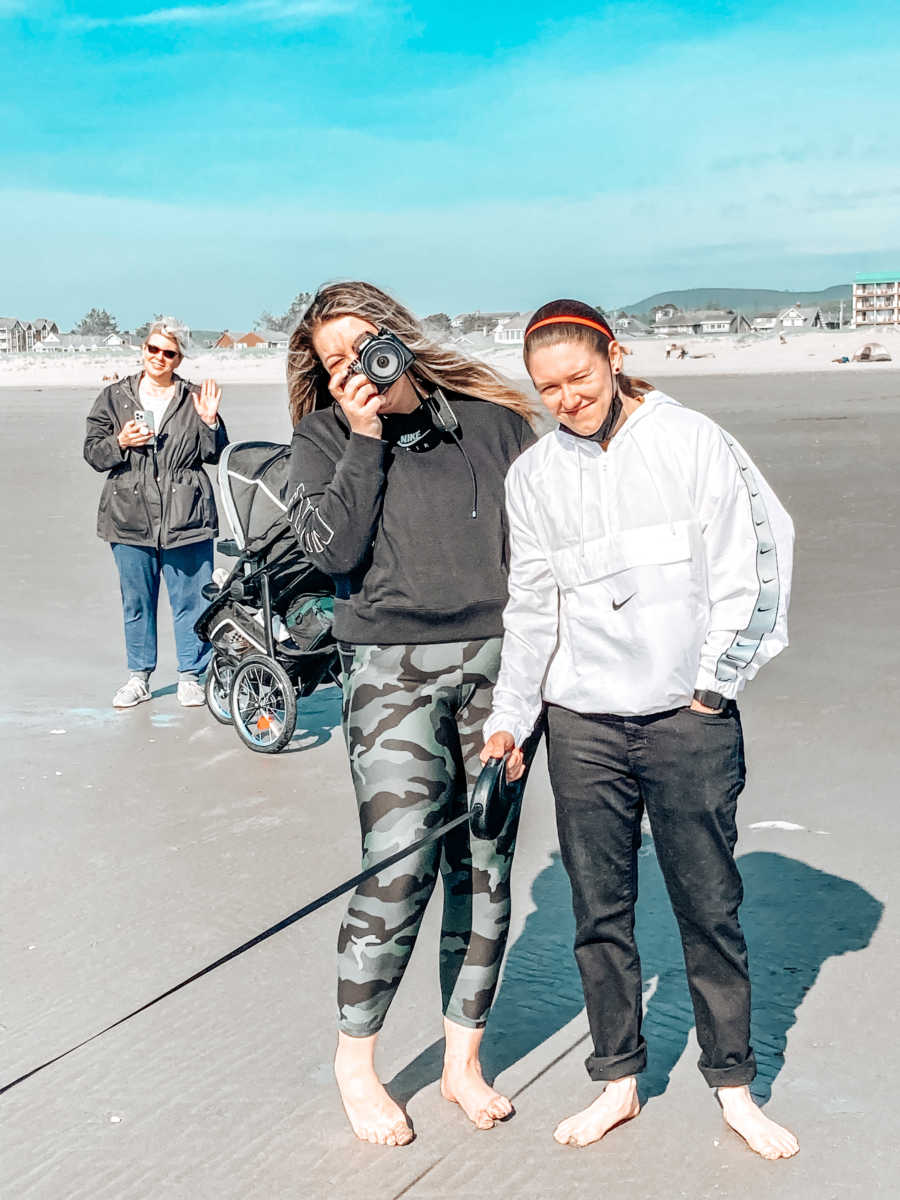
[151, 433]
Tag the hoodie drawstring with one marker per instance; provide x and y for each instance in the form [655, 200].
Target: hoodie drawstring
[462, 451]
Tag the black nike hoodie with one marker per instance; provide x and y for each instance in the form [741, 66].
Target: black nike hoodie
[392, 522]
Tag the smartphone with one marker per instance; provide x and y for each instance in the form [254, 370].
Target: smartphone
[146, 418]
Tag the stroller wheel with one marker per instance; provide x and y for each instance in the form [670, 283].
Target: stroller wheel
[263, 704]
[218, 691]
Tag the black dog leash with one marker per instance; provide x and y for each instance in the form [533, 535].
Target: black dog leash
[486, 790]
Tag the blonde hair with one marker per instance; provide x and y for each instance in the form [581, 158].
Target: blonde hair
[308, 380]
[173, 329]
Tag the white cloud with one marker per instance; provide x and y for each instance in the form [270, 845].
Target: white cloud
[296, 12]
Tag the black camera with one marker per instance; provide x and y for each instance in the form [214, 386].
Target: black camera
[381, 357]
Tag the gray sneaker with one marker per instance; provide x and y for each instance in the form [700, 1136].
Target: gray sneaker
[131, 693]
[190, 693]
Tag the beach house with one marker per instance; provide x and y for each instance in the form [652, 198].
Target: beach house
[801, 317]
[628, 323]
[662, 314]
[43, 327]
[511, 330]
[254, 339]
[15, 336]
[483, 323]
[698, 322]
[876, 299]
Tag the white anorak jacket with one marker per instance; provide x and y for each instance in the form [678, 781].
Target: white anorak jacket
[639, 573]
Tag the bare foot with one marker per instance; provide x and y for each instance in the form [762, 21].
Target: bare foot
[761, 1135]
[462, 1081]
[372, 1114]
[618, 1102]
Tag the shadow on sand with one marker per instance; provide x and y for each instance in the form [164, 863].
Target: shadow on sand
[317, 716]
[794, 917]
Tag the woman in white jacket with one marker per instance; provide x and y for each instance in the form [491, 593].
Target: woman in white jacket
[649, 580]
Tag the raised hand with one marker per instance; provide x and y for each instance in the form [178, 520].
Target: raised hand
[207, 401]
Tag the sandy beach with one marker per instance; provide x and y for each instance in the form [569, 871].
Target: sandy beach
[801, 352]
[140, 845]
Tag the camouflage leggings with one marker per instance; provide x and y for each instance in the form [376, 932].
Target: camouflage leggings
[412, 721]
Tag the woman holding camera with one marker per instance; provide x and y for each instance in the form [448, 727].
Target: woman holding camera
[152, 432]
[399, 497]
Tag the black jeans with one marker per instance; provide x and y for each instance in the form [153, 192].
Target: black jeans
[687, 770]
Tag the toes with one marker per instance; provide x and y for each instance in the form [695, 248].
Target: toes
[564, 1134]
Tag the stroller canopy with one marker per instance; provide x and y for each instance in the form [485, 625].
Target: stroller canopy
[253, 479]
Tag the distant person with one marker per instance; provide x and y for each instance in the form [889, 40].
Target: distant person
[649, 578]
[407, 514]
[152, 432]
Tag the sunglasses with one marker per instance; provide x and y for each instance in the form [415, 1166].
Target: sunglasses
[153, 350]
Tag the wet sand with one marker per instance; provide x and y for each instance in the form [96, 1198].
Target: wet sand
[139, 846]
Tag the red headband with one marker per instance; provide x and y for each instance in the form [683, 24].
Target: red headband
[564, 320]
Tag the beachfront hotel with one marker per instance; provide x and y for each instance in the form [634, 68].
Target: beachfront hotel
[876, 299]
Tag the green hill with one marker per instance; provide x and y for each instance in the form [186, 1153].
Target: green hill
[748, 301]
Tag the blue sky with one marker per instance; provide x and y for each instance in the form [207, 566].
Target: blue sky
[212, 159]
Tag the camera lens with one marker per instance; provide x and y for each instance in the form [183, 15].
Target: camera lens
[382, 363]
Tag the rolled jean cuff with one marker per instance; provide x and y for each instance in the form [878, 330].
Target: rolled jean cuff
[736, 1076]
[617, 1066]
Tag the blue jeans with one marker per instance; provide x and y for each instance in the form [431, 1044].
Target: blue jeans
[185, 569]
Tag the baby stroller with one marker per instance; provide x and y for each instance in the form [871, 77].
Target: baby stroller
[269, 620]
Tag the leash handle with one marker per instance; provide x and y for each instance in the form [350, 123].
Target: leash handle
[490, 800]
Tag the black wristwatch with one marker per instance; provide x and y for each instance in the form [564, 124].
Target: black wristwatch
[711, 699]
